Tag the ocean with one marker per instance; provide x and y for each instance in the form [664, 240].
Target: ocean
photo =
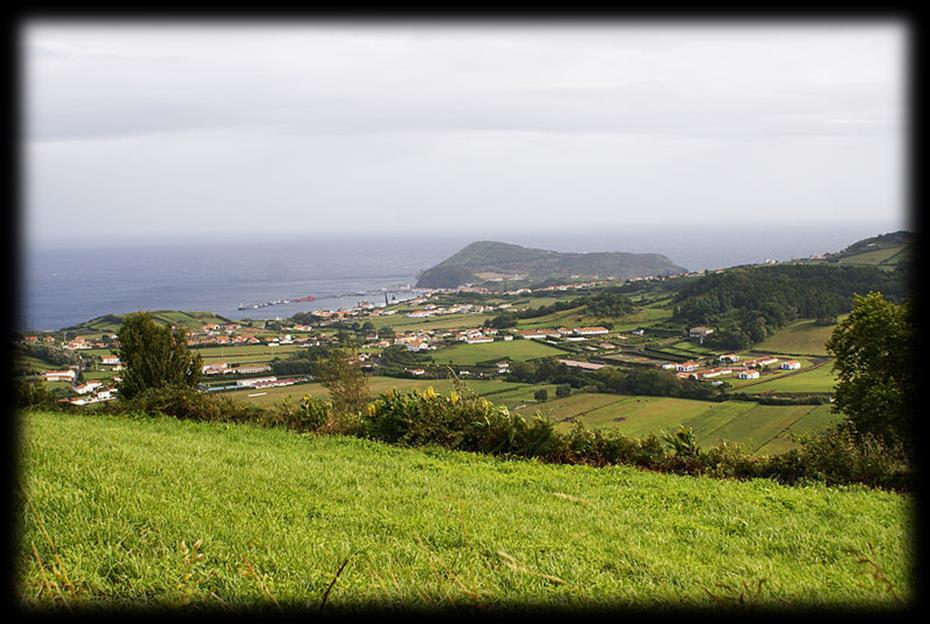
[63, 285]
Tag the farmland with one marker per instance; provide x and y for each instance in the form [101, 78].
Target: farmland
[749, 424]
[517, 350]
[247, 516]
[799, 338]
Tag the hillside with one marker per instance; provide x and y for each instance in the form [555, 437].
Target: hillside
[885, 250]
[488, 260]
[187, 320]
[226, 516]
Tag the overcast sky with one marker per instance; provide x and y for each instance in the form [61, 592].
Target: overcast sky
[159, 129]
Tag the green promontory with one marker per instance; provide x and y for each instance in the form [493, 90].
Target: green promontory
[486, 260]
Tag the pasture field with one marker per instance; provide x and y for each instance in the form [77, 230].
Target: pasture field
[576, 317]
[876, 257]
[743, 422]
[818, 379]
[492, 388]
[118, 511]
[234, 351]
[402, 323]
[517, 350]
[818, 418]
[800, 337]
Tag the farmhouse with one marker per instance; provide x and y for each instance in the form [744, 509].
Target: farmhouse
[748, 374]
[790, 365]
[591, 331]
[60, 375]
[416, 372]
[539, 333]
[758, 363]
[729, 357]
[700, 331]
[687, 367]
[584, 365]
[109, 359]
[87, 387]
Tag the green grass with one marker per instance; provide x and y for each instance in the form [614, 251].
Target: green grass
[801, 337]
[401, 323]
[517, 350]
[818, 418]
[749, 424]
[819, 379]
[378, 385]
[274, 515]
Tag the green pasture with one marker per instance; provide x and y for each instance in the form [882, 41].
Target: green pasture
[154, 512]
[517, 350]
[801, 338]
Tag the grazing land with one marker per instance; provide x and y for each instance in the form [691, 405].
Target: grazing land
[748, 424]
[801, 338]
[517, 350]
[227, 516]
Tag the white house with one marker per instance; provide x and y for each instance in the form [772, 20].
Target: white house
[591, 331]
[109, 359]
[729, 357]
[790, 365]
[748, 374]
[60, 375]
[687, 367]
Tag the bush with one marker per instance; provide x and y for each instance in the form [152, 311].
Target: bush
[563, 390]
[541, 395]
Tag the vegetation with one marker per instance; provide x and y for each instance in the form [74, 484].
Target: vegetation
[341, 374]
[875, 350]
[538, 264]
[155, 356]
[263, 518]
[749, 304]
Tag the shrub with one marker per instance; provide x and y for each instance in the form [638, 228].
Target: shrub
[563, 390]
[541, 395]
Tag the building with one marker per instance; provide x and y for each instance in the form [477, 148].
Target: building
[61, 375]
[687, 367]
[700, 331]
[790, 365]
[88, 387]
[584, 365]
[748, 374]
[109, 359]
[729, 357]
[591, 331]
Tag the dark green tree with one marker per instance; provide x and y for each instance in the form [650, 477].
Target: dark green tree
[155, 356]
[541, 394]
[875, 362]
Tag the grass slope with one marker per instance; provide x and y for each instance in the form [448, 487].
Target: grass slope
[274, 515]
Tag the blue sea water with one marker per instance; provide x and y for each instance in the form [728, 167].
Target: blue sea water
[64, 285]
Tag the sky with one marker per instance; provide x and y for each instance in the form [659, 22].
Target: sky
[149, 130]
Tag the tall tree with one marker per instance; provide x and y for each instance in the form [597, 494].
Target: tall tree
[874, 350]
[341, 373]
[155, 356]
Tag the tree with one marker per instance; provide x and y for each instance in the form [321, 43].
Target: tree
[875, 360]
[563, 390]
[541, 395]
[341, 373]
[155, 356]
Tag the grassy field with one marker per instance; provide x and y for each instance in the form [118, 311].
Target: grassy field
[122, 512]
[751, 425]
[819, 379]
[576, 317]
[800, 337]
[401, 323]
[492, 388]
[517, 350]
